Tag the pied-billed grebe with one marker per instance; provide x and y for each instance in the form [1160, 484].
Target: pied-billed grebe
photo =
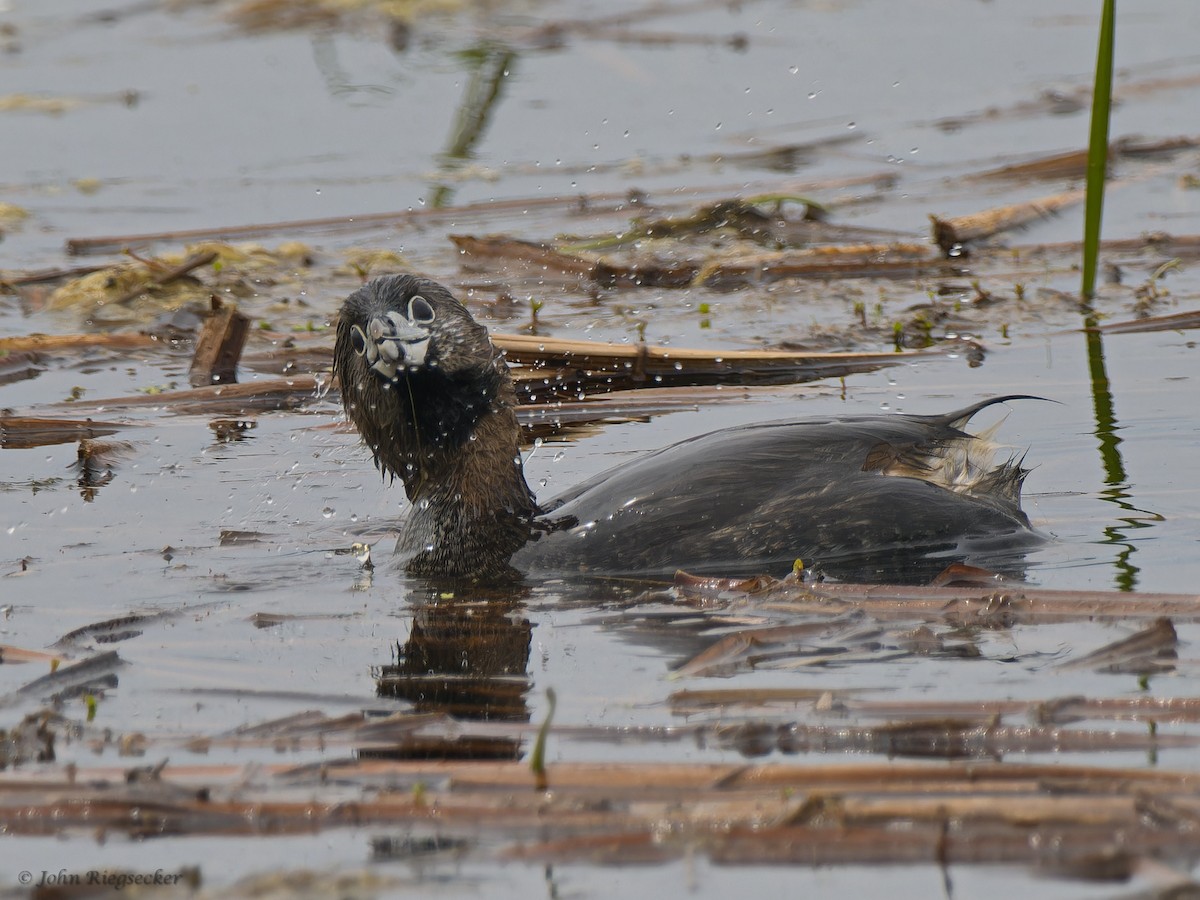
[434, 400]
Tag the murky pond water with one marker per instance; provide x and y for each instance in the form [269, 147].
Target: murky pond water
[230, 555]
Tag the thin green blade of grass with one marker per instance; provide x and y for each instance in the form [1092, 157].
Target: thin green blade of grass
[1097, 160]
[537, 760]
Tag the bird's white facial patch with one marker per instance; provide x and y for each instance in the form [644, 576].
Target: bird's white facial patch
[391, 342]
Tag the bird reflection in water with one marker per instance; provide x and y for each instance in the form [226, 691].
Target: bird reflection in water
[468, 659]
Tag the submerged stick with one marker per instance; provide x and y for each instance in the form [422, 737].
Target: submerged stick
[1150, 650]
[98, 668]
[25, 432]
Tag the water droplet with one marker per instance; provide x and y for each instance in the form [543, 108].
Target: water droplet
[328, 512]
[795, 70]
[851, 125]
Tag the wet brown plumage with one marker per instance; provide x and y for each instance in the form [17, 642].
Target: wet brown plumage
[447, 428]
[862, 496]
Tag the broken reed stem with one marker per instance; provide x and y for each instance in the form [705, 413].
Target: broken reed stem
[1058, 816]
[219, 346]
[124, 340]
[168, 276]
[275, 393]
[619, 201]
[952, 234]
[113, 243]
[44, 276]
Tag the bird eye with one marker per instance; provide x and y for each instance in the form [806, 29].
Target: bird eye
[419, 310]
[358, 338]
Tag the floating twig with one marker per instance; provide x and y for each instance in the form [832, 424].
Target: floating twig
[166, 276]
[225, 399]
[951, 235]
[1172, 322]
[1073, 163]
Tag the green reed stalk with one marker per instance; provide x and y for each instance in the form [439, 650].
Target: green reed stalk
[1097, 160]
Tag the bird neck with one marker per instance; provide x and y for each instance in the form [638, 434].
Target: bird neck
[472, 508]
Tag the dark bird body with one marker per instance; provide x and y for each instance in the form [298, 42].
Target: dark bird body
[861, 496]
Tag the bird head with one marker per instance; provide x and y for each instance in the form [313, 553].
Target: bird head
[417, 372]
[403, 325]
